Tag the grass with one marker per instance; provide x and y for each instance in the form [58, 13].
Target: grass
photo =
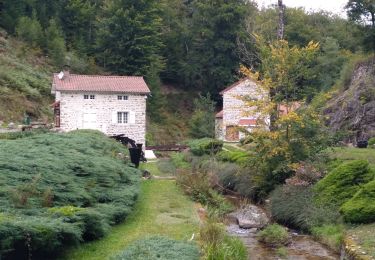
[162, 209]
[364, 237]
[352, 153]
[156, 167]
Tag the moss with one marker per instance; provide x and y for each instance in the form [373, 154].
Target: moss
[342, 182]
[361, 208]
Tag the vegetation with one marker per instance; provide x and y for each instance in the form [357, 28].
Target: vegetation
[202, 123]
[360, 208]
[203, 146]
[161, 210]
[163, 248]
[274, 235]
[344, 181]
[217, 244]
[68, 188]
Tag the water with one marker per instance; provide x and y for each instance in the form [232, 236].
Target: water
[302, 247]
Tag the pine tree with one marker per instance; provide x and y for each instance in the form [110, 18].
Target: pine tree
[55, 43]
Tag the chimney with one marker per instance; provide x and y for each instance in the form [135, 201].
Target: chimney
[66, 71]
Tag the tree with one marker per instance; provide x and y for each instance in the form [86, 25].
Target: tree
[363, 11]
[202, 122]
[55, 43]
[129, 36]
[30, 30]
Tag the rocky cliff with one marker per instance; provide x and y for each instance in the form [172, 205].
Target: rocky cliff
[352, 110]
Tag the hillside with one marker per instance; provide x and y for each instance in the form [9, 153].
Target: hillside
[24, 81]
[352, 110]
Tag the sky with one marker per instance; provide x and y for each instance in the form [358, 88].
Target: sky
[334, 6]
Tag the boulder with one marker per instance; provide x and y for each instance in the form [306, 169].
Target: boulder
[250, 216]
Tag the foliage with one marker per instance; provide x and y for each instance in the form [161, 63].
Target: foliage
[342, 182]
[202, 123]
[240, 157]
[161, 210]
[360, 208]
[55, 43]
[162, 248]
[329, 234]
[295, 206]
[69, 187]
[203, 146]
[30, 30]
[216, 244]
[274, 235]
[371, 141]
[179, 160]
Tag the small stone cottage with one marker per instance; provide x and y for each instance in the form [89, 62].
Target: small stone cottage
[111, 104]
[236, 114]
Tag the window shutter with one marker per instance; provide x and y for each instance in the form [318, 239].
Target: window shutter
[131, 117]
[114, 117]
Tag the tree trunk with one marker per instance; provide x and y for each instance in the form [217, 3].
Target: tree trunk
[280, 31]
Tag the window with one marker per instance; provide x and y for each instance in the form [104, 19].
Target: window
[92, 96]
[122, 117]
[122, 97]
[85, 96]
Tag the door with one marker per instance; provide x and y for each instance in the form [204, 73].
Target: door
[232, 134]
[89, 121]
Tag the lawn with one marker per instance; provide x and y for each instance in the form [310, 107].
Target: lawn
[161, 168]
[351, 153]
[161, 209]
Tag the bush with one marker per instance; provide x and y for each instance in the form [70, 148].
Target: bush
[179, 161]
[342, 182]
[295, 206]
[160, 248]
[203, 146]
[361, 207]
[218, 245]
[371, 141]
[239, 157]
[59, 188]
[274, 235]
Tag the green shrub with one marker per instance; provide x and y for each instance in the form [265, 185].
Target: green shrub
[342, 182]
[218, 245]
[331, 235]
[239, 157]
[274, 235]
[59, 188]
[203, 146]
[371, 141]
[361, 207]
[295, 206]
[160, 248]
[179, 160]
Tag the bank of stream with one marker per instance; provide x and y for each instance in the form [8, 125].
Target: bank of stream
[301, 246]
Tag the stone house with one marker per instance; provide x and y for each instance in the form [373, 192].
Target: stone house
[236, 114]
[111, 104]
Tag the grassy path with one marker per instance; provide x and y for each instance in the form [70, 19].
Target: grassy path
[161, 209]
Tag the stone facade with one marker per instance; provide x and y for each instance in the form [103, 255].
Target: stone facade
[101, 113]
[235, 110]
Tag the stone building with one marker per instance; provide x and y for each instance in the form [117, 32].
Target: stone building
[111, 104]
[236, 115]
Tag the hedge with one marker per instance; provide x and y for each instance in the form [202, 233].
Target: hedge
[203, 146]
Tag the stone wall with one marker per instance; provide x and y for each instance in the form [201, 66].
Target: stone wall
[101, 113]
[235, 107]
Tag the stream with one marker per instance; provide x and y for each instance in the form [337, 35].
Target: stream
[301, 247]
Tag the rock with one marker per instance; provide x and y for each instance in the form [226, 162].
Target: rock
[146, 174]
[250, 216]
[11, 125]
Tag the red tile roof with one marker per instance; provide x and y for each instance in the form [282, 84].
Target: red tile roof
[246, 122]
[234, 85]
[97, 83]
[220, 114]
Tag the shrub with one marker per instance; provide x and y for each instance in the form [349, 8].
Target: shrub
[361, 207]
[239, 157]
[274, 235]
[203, 146]
[79, 173]
[160, 248]
[295, 206]
[371, 141]
[342, 182]
[179, 160]
[218, 245]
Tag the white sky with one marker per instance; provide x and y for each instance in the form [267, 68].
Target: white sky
[334, 6]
